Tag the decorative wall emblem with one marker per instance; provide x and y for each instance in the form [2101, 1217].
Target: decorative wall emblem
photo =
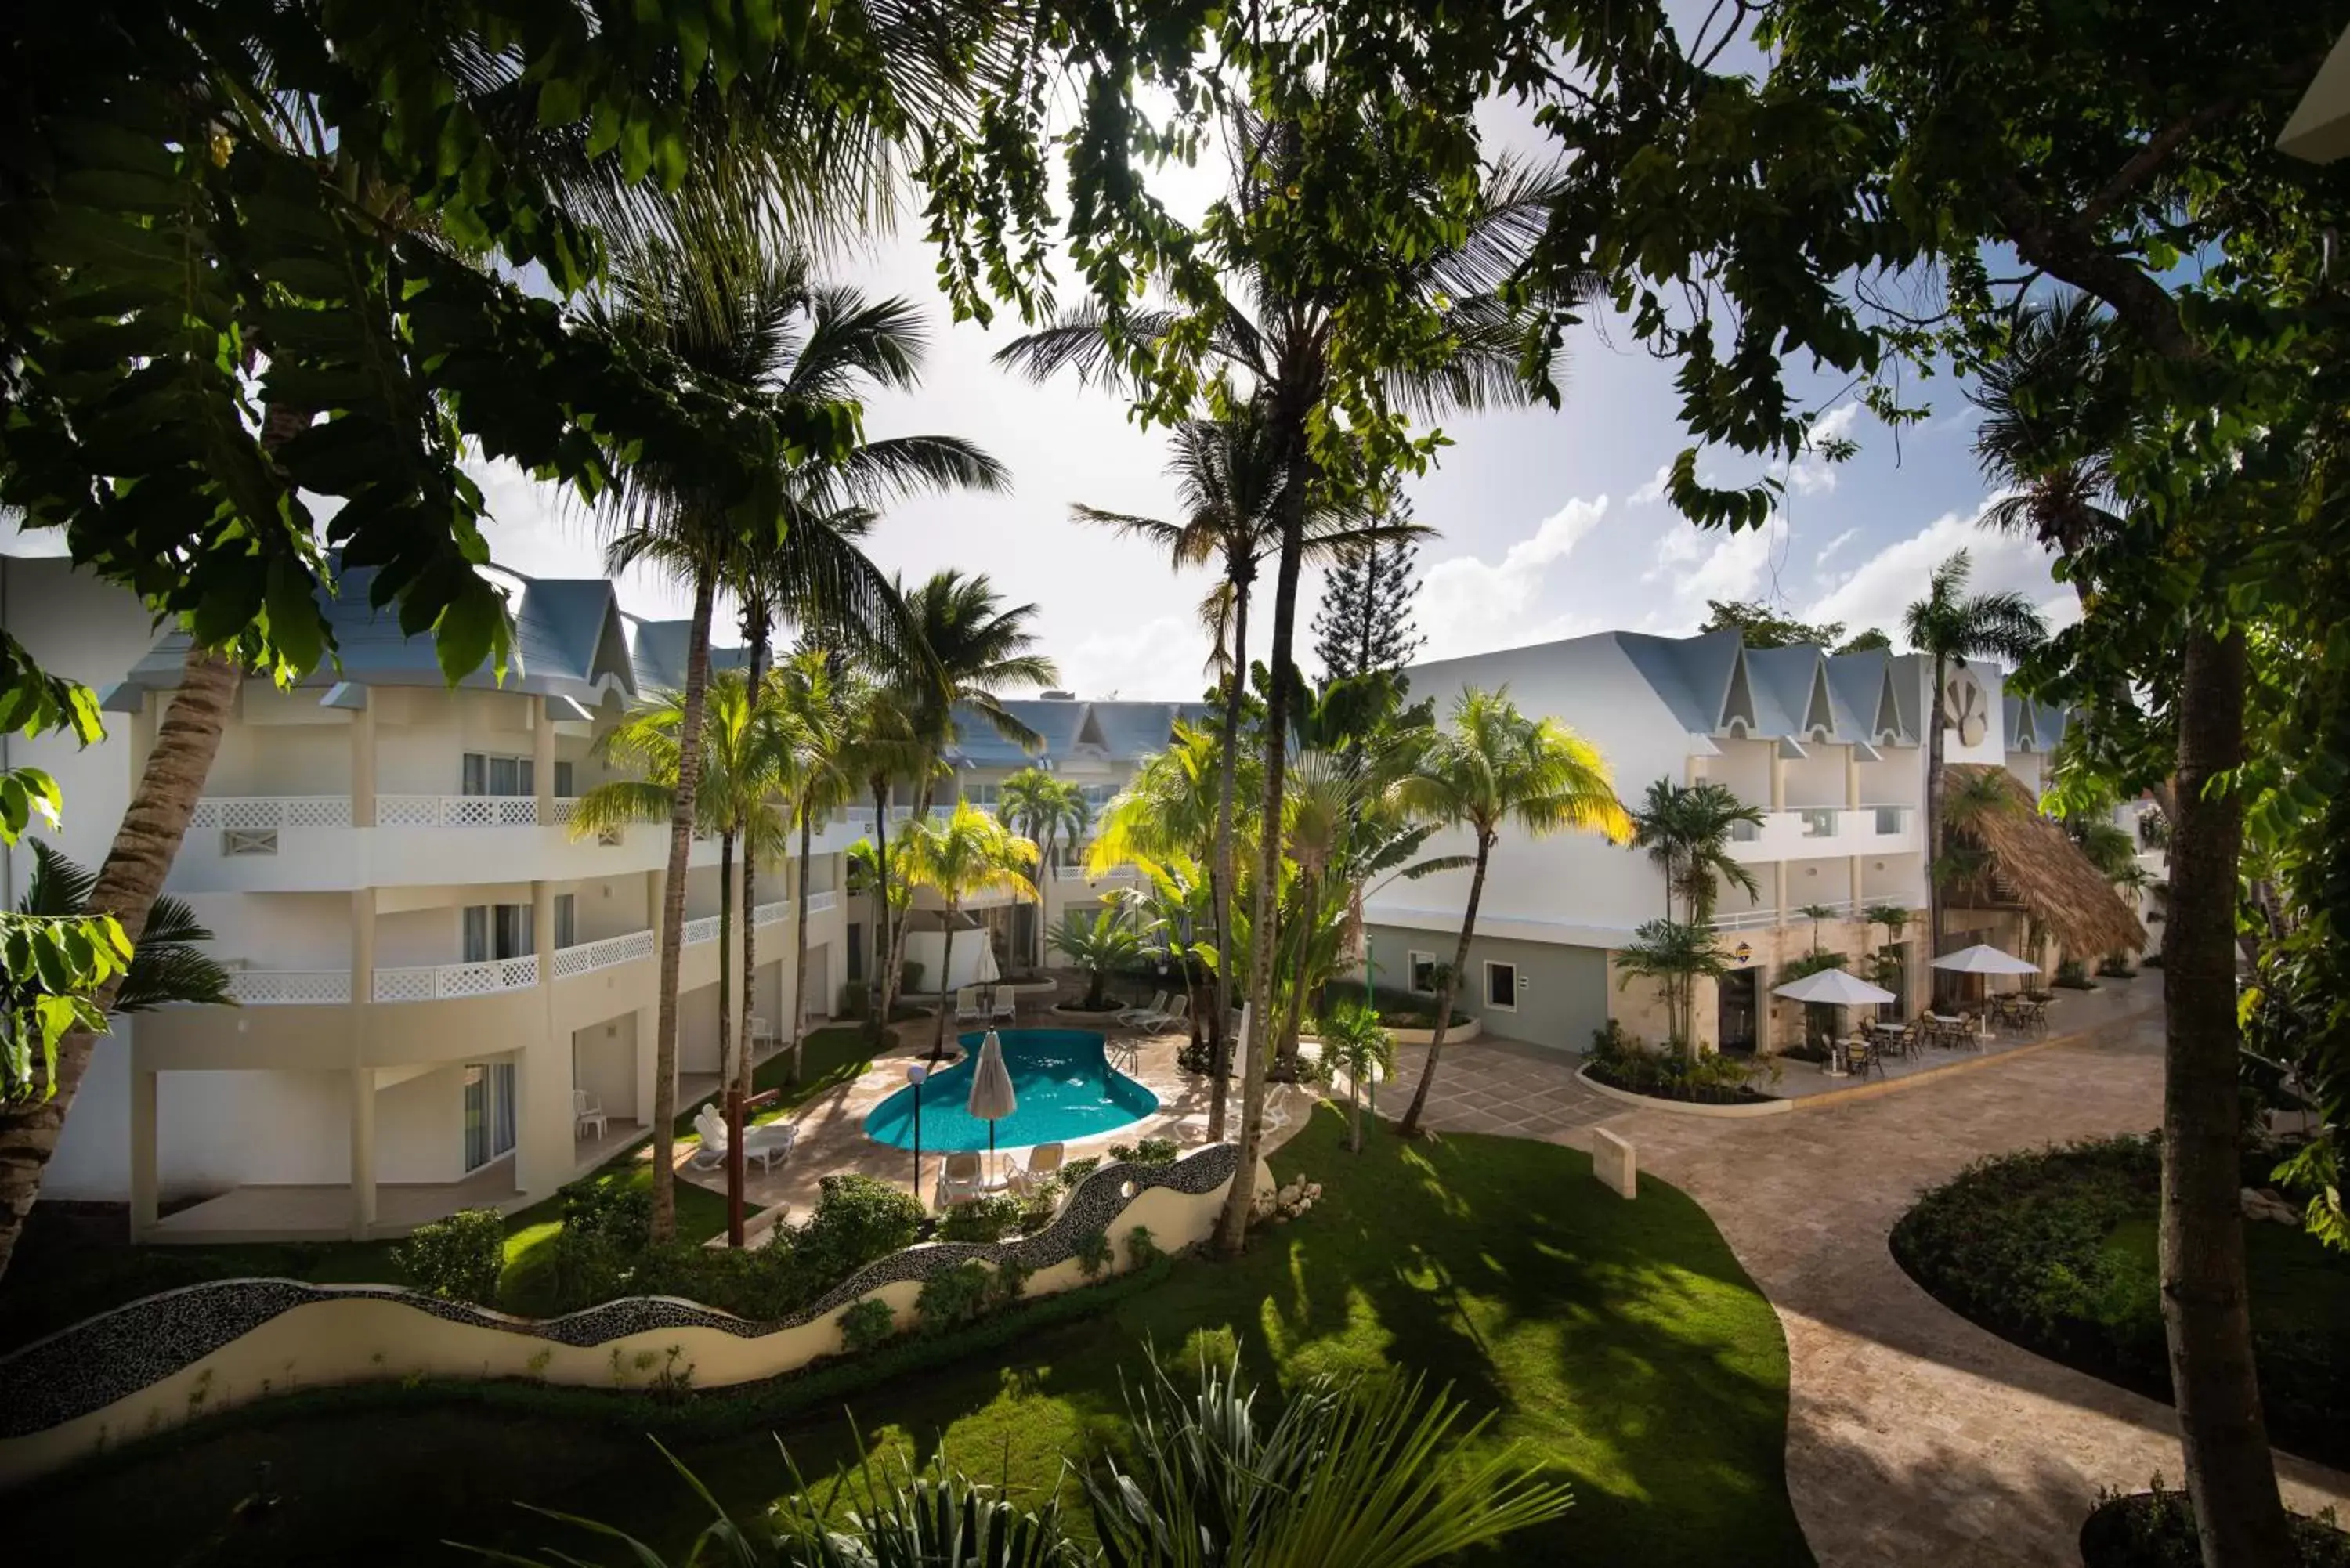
[1965, 707]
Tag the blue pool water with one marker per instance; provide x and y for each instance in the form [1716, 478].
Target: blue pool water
[1065, 1086]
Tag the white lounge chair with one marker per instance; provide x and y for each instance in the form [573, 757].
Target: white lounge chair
[1043, 1161]
[1004, 1005]
[1138, 1015]
[967, 1007]
[1177, 1011]
[767, 1144]
[962, 1180]
[587, 1113]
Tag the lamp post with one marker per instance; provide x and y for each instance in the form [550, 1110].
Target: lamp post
[915, 1074]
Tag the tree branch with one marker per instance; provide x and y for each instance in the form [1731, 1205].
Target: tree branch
[2066, 250]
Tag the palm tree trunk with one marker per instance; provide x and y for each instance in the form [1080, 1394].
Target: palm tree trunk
[672, 946]
[946, 967]
[1933, 821]
[754, 675]
[144, 847]
[1451, 982]
[1221, 874]
[876, 993]
[800, 928]
[728, 1048]
[2205, 1312]
[1231, 1228]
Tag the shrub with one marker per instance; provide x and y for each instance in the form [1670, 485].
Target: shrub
[1142, 1248]
[867, 1324]
[1094, 1252]
[2157, 1530]
[1077, 1170]
[1037, 1208]
[2072, 976]
[458, 1259]
[1150, 1151]
[854, 998]
[1622, 1062]
[1009, 1282]
[857, 1218]
[618, 1212]
[954, 1296]
[987, 1219]
[2116, 966]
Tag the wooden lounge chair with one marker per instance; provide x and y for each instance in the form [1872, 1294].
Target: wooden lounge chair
[962, 1180]
[1043, 1161]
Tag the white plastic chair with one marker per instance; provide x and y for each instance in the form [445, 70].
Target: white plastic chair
[1044, 1161]
[1004, 1007]
[766, 1143]
[962, 1180]
[1137, 1015]
[587, 1113]
[967, 1007]
[1177, 1011]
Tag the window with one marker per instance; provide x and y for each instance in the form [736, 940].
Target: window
[982, 794]
[1423, 973]
[489, 1112]
[566, 920]
[485, 774]
[1501, 987]
[1097, 795]
[498, 931]
[563, 781]
[856, 953]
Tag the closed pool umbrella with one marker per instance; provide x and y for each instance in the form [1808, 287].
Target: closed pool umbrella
[991, 1090]
[1983, 958]
[1834, 988]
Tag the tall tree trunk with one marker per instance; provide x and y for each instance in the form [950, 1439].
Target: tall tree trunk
[756, 625]
[800, 938]
[128, 884]
[729, 1047]
[1222, 874]
[1444, 994]
[1933, 825]
[1231, 1228]
[946, 967]
[2206, 1311]
[672, 944]
[876, 993]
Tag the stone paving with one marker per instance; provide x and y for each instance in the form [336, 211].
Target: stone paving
[1913, 1435]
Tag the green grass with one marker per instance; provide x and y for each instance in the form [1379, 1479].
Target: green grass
[68, 1268]
[1619, 1341]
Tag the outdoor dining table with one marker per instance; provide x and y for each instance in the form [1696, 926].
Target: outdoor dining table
[1950, 1033]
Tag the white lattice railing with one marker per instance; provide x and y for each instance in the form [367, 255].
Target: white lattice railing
[704, 929]
[266, 987]
[774, 914]
[820, 902]
[436, 982]
[1079, 874]
[456, 810]
[248, 812]
[588, 957]
[560, 808]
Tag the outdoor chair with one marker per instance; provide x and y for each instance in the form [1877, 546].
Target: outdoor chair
[1177, 1011]
[962, 1180]
[1004, 1006]
[1136, 1015]
[1043, 1161]
[587, 1113]
[1859, 1056]
[968, 1008]
[766, 1143]
[763, 1032]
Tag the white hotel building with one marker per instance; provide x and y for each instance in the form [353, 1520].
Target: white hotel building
[434, 975]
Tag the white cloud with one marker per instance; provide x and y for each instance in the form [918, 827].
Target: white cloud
[1163, 658]
[1835, 545]
[1468, 605]
[1875, 593]
[1813, 475]
[1653, 491]
[533, 528]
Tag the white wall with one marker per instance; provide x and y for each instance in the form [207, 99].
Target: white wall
[420, 1128]
[604, 1062]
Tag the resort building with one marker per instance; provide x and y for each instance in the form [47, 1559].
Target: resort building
[1829, 748]
[445, 998]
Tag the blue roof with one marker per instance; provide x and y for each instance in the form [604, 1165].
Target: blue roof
[1692, 674]
[1856, 681]
[1116, 730]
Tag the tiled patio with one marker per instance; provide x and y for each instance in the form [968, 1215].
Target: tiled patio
[324, 1213]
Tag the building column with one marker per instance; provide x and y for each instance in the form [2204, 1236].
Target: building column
[1778, 779]
[1778, 890]
[362, 1091]
[542, 758]
[1853, 864]
[541, 928]
[145, 1205]
[362, 944]
[363, 763]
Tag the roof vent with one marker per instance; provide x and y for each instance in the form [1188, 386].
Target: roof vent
[1060, 696]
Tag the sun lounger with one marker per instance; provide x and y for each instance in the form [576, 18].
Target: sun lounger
[1138, 1015]
[968, 1008]
[767, 1144]
[962, 1180]
[1043, 1162]
[1004, 1006]
[1177, 1011]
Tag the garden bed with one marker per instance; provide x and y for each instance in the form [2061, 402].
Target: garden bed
[2157, 1530]
[1619, 1061]
[2054, 1249]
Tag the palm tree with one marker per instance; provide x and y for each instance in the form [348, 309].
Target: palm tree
[1687, 830]
[1354, 1041]
[1815, 913]
[976, 646]
[1168, 906]
[1952, 625]
[1674, 954]
[1098, 947]
[1279, 327]
[1489, 768]
[1043, 808]
[168, 965]
[955, 856]
[818, 723]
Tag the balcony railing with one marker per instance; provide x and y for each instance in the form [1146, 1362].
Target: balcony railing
[704, 929]
[270, 987]
[820, 902]
[585, 958]
[434, 982]
[468, 810]
[774, 914]
[1079, 874]
[1760, 919]
[254, 816]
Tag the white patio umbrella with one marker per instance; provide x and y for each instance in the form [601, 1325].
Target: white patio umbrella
[991, 1092]
[1834, 988]
[1984, 958]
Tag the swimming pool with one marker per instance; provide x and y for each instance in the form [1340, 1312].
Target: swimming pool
[1065, 1086]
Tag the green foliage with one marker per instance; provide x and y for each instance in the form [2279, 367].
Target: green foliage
[865, 1325]
[2156, 1529]
[1621, 1061]
[1760, 626]
[51, 969]
[170, 964]
[457, 1259]
[1687, 830]
[1094, 1252]
[1097, 946]
[1142, 1249]
[1150, 1151]
[857, 1218]
[989, 1219]
[2073, 975]
[2056, 1249]
[1675, 954]
[1075, 1171]
[954, 1296]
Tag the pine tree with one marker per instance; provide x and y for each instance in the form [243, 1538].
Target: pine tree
[1365, 621]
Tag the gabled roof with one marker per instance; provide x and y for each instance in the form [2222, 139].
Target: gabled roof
[1867, 706]
[657, 651]
[1693, 676]
[1111, 729]
[1791, 692]
[576, 622]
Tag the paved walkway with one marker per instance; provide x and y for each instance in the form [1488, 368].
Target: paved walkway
[1913, 1435]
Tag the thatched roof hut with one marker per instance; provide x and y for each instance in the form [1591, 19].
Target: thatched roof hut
[2033, 864]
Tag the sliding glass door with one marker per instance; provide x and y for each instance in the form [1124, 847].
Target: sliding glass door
[489, 1113]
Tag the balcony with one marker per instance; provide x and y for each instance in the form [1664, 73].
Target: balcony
[1837, 909]
[1079, 874]
[437, 982]
[307, 844]
[1807, 832]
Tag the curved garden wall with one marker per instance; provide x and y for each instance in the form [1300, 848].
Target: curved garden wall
[175, 1356]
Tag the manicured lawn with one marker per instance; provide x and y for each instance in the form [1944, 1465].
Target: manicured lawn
[71, 1265]
[1621, 1342]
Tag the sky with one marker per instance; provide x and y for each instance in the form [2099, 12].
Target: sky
[1551, 522]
